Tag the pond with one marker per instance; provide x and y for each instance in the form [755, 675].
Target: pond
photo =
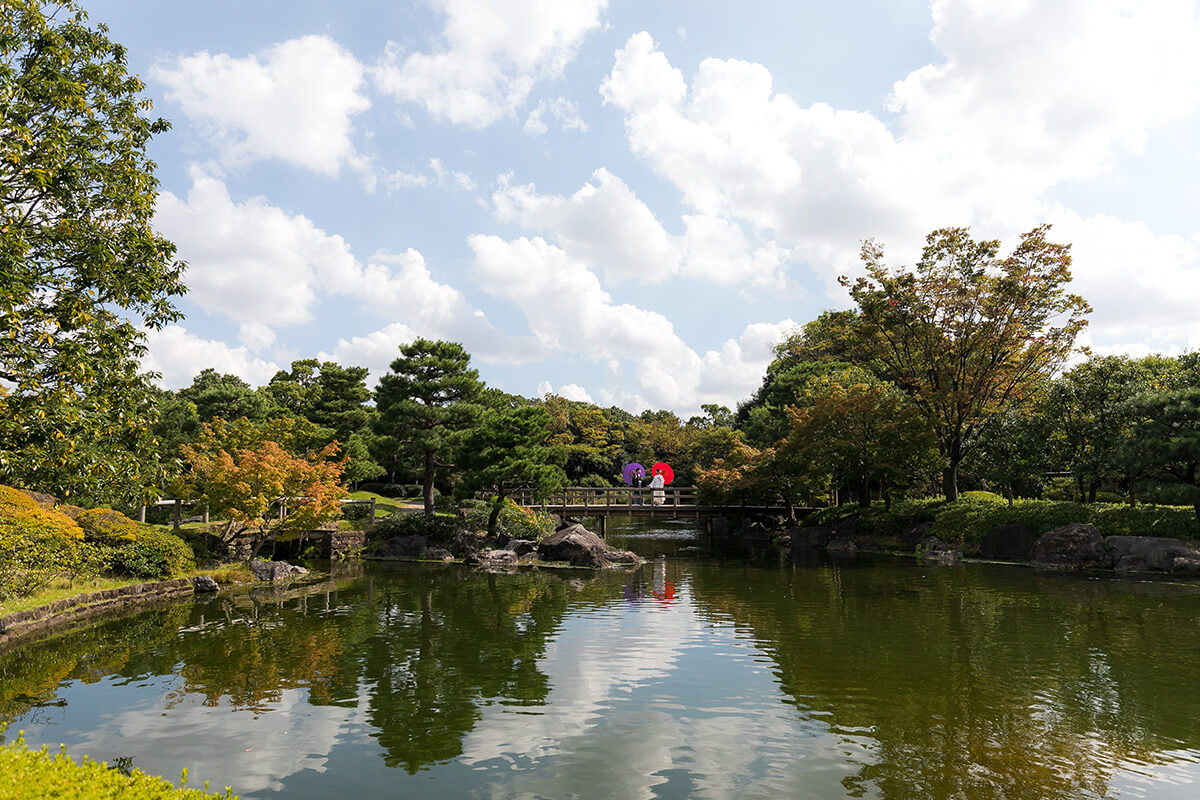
[710, 672]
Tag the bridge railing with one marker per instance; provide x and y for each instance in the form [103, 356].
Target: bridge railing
[609, 497]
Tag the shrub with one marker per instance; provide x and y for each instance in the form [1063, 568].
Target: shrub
[976, 494]
[35, 774]
[355, 510]
[105, 526]
[513, 521]
[1177, 522]
[154, 554]
[415, 524]
[38, 544]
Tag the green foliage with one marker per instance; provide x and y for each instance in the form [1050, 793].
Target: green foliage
[105, 526]
[876, 520]
[355, 511]
[967, 332]
[82, 272]
[981, 496]
[38, 544]
[408, 524]
[155, 554]
[512, 520]
[38, 774]
[429, 395]
[227, 397]
[968, 521]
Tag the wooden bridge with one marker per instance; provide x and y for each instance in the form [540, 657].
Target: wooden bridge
[602, 502]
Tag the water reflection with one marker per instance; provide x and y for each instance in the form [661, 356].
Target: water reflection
[689, 677]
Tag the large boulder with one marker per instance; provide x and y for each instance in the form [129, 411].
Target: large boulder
[1135, 553]
[912, 534]
[841, 546]
[1073, 546]
[810, 538]
[273, 570]
[204, 584]
[503, 560]
[436, 554]
[1186, 565]
[580, 547]
[1008, 543]
[521, 547]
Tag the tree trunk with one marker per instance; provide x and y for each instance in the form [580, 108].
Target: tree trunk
[1092, 493]
[950, 480]
[864, 493]
[495, 515]
[427, 483]
[1196, 506]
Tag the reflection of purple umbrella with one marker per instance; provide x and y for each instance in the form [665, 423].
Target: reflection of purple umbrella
[627, 473]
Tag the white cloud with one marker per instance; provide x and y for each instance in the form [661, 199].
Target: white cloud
[293, 101]
[376, 350]
[605, 224]
[568, 310]
[256, 336]
[179, 356]
[564, 112]
[1026, 96]
[260, 266]
[451, 178]
[489, 57]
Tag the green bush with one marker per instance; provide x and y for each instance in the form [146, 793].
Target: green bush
[976, 494]
[38, 544]
[514, 521]
[1177, 522]
[415, 524]
[36, 774]
[355, 510]
[876, 520]
[105, 526]
[155, 554]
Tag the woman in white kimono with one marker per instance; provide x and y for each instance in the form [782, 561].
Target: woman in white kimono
[657, 495]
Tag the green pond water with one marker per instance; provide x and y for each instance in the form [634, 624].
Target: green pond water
[710, 672]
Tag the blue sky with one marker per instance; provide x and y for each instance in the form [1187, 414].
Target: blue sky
[631, 202]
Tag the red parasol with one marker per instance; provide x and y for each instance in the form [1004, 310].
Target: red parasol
[664, 469]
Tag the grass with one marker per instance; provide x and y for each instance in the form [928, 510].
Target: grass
[386, 505]
[230, 574]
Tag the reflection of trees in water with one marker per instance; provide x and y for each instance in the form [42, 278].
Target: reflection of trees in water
[974, 683]
[429, 647]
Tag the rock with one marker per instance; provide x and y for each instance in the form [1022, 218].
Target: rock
[1008, 543]
[1156, 552]
[529, 559]
[402, 547]
[847, 526]
[580, 547]
[914, 533]
[1130, 564]
[574, 544]
[1186, 565]
[436, 554]
[493, 559]
[947, 557]
[932, 544]
[271, 570]
[296, 570]
[841, 546]
[522, 546]
[1073, 546]
[464, 543]
[204, 584]
[811, 538]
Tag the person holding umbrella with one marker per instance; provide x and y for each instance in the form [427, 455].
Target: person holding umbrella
[663, 474]
[638, 480]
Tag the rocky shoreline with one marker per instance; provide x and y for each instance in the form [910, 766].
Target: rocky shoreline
[1072, 547]
[571, 545]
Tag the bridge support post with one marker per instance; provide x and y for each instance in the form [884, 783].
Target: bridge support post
[602, 524]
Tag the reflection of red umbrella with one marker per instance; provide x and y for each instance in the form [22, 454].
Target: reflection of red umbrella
[627, 473]
[664, 469]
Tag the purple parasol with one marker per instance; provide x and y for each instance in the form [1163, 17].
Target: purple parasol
[627, 473]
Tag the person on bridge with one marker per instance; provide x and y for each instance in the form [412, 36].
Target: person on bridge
[657, 495]
[637, 481]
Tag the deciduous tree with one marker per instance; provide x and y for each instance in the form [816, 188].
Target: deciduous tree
[968, 331]
[82, 272]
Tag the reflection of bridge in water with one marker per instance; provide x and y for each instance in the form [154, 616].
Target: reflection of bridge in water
[602, 502]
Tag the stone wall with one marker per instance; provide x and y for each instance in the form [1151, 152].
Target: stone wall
[60, 612]
[341, 544]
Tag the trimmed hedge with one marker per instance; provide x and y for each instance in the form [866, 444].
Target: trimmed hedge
[155, 553]
[514, 521]
[968, 519]
[105, 526]
[38, 544]
[37, 774]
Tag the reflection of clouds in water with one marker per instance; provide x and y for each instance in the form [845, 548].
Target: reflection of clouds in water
[628, 713]
[251, 752]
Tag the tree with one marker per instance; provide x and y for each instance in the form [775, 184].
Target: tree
[968, 332]
[430, 394]
[861, 434]
[228, 397]
[509, 448]
[1165, 441]
[264, 487]
[82, 273]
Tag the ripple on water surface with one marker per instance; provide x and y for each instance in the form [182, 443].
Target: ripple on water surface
[686, 678]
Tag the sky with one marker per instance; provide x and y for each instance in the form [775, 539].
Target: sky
[632, 201]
